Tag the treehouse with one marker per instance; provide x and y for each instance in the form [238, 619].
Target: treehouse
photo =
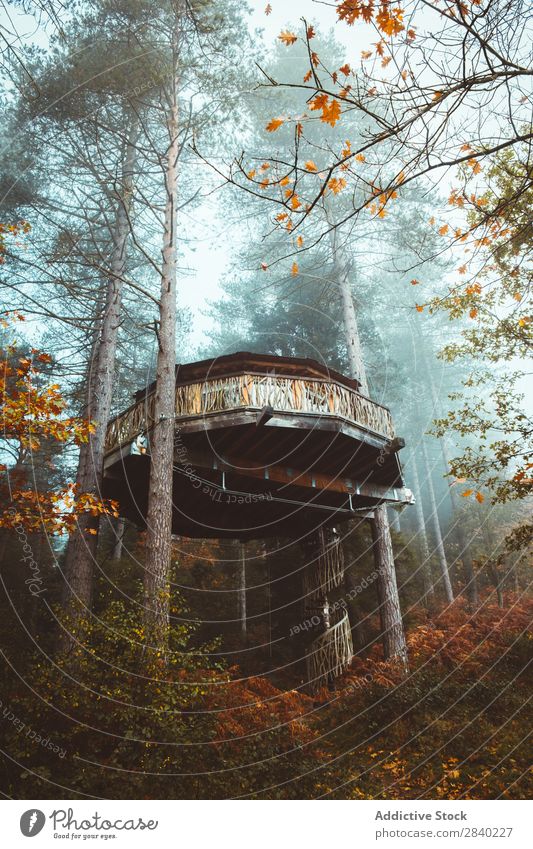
[264, 446]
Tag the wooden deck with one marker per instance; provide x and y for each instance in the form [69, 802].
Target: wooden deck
[263, 446]
[253, 392]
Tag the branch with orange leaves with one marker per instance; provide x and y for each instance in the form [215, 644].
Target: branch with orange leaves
[417, 121]
[56, 512]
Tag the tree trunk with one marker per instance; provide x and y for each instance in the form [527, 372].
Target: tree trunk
[351, 331]
[464, 553]
[81, 550]
[393, 641]
[441, 555]
[425, 559]
[161, 436]
[392, 632]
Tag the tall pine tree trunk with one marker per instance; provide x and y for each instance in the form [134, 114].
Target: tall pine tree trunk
[441, 555]
[159, 515]
[81, 550]
[392, 633]
[394, 644]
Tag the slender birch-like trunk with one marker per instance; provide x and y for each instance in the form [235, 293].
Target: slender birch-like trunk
[429, 590]
[394, 644]
[464, 553]
[159, 515]
[441, 555]
[81, 550]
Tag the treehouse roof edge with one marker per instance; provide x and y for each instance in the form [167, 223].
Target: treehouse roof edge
[230, 364]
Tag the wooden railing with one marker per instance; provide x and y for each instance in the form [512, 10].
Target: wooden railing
[283, 394]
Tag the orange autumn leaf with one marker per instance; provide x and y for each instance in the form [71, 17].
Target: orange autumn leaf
[310, 165]
[345, 69]
[281, 216]
[415, 282]
[251, 174]
[360, 157]
[300, 241]
[443, 230]
[419, 308]
[331, 110]
[366, 54]
[311, 31]
[480, 497]
[308, 76]
[294, 269]
[274, 125]
[295, 202]
[318, 102]
[284, 181]
[287, 38]
[337, 184]
[467, 493]
[473, 312]
[265, 166]
[331, 113]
